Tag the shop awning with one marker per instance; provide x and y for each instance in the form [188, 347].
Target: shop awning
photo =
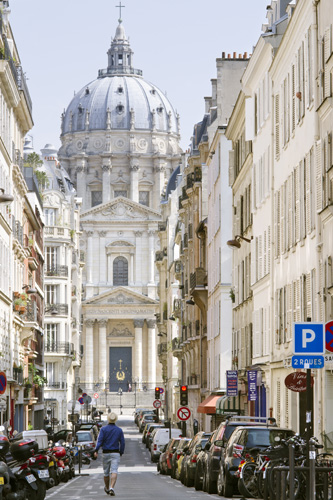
[208, 405]
[221, 404]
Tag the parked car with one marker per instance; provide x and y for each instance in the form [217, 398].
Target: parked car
[197, 443]
[150, 431]
[90, 426]
[211, 465]
[85, 438]
[63, 436]
[137, 413]
[201, 461]
[144, 414]
[174, 463]
[148, 417]
[244, 438]
[170, 450]
[160, 439]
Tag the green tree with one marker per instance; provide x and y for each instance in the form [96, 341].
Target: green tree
[34, 161]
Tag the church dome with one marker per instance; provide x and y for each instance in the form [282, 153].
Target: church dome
[120, 98]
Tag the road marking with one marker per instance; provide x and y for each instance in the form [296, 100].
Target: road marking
[62, 487]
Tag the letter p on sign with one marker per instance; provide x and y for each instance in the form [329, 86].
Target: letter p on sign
[309, 338]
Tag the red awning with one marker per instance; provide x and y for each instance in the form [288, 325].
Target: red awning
[208, 405]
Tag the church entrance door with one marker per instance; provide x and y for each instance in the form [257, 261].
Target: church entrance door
[120, 368]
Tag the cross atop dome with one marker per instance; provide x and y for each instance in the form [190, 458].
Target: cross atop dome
[120, 7]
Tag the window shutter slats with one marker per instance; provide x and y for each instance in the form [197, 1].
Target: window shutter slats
[277, 126]
[308, 193]
[319, 180]
[231, 167]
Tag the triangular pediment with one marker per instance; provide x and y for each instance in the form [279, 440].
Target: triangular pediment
[121, 295]
[121, 209]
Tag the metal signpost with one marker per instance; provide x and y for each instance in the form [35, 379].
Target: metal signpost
[309, 347]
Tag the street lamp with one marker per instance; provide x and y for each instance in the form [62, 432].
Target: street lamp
[236, 243]
[120, 392]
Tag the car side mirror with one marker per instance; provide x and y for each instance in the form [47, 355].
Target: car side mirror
[219, 443]
[207, 446]
[198, 448]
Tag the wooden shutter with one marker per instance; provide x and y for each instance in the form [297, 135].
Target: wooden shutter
[265, 254]
[269, 249]
[253, 262]
[308, 288]
[297, 204]
[290, 211]
[256, 340]
[298, 300]
[231, 167]
[277, 126]
[327, 54]
[260, 259]
[293, 97]
[322, 290]
[278, 316]
[283, 215]
[254, 187]
[289, 305]
[307, 193]
[302, 198]
[319, 179]
[277, 224]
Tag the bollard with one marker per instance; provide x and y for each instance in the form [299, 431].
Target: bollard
[283, 483]
[291, 471]
[80, 458]
[312, 470]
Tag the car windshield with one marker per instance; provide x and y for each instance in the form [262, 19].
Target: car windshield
[83, 436]
[267, 437]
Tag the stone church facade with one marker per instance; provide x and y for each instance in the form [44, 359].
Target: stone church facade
[120, 144]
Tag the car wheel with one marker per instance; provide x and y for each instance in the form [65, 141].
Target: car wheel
[197, 481]
[158, 467]
[227, 487]
[219, 485]
[211, 485]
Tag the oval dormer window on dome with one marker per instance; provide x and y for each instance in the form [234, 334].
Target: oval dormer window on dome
[80, 108]
[159, 110]
[87, 91]
[120, 90]
[153, 91]
[120, 109]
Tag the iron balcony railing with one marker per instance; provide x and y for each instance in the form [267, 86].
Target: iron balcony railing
[59, 348]
[56, 385]
[55, 309]
[17, 230]
[198, 278]
[7, 56]
[61, 271]
[118, 70]
[22, 85]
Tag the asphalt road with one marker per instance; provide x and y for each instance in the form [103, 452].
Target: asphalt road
[138, 478]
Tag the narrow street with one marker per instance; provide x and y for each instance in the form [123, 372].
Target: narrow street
[138, 478]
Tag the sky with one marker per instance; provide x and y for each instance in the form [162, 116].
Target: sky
[63, 43]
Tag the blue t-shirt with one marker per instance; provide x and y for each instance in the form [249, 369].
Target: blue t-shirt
[111, 437]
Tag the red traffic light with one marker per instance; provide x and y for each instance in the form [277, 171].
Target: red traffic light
[183, 388]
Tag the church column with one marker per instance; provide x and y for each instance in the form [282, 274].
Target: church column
[102, 324]
[159, 178]
[134, 169]
[132, 269]
[151, 277]
[138, 325]
[90, 255]
[151, 351]
[138, 257]
[102, 258]
[106, 195]
[89, 351]
[81, 165]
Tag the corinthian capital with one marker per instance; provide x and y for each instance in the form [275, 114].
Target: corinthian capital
[138, 323]
[151, 323]
[89, 323]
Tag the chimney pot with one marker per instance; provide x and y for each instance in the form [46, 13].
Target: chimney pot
[245, 55]
[234, 56]
[229, 56]
[223, 55]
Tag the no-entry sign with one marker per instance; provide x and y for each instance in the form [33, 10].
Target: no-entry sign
[157, 403]
[183, 413]
[3, 382]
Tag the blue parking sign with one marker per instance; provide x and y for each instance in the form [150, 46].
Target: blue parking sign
[309, 338]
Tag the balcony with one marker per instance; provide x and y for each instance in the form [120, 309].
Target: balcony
[197, 174]
[17, 230]
[178, 267]
[22, 85]
[189, 181]
[177, 307]
[59, 271]
[31, 313]
[59, 348]
[55, 385]
[55, 309]
[198, 287]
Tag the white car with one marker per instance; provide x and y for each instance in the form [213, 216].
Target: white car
[160, 439]
[85, 438]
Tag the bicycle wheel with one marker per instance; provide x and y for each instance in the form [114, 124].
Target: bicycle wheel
[247, 483]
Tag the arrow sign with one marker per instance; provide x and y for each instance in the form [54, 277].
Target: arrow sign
[183, 413]
[3, 382]
[157, 403]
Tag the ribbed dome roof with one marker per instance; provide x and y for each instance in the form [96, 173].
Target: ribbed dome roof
[112, 98]
[120, 98]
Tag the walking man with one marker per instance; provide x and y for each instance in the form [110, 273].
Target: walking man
[111, 439]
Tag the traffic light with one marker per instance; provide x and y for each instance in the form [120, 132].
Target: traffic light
[157, 393]
[183, 395]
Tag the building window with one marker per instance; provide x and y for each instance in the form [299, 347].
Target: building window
[51, 333]
[96, 198]
[50, 373]
[51, 294]
[144, 198]
[120, 271]
[51, 258]
[120, 193]
[49, 214]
